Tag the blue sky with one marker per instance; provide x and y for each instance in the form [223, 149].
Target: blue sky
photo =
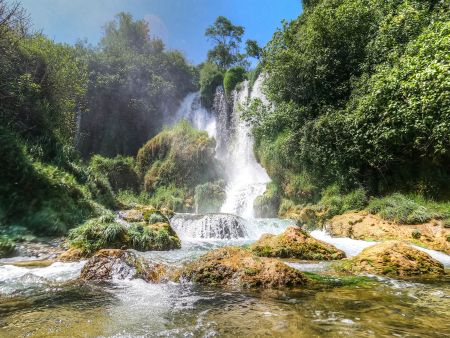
[180, 23]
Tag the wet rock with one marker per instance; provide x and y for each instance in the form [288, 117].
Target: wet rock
[362, 225]
[71, 255]
[109, 264]
[395, 259]
[236, 267]
[295, 243]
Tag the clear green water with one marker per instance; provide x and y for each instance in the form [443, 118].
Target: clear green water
[49, 302]
[136, 309]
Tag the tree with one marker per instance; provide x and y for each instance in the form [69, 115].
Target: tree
[252, 48]
[133, 81]
[227, 39]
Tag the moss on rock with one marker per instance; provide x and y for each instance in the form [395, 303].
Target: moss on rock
[267, 205]
[295, 243]
[209, 197]
[7, 246]
[236, 267]
[107, 232]
[395, 259]
[180, 159]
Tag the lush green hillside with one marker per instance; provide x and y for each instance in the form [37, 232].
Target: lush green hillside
[361, 99]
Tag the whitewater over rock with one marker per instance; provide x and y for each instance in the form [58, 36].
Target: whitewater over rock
[209, 226]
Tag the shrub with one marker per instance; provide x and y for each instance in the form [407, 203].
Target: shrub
[401, 209]
[42, 197]
[174, 162]
[267, 205]
[210, 78]
[416, 234]
[336, 203]
[232, 77]
[7, 246]
[119, 171]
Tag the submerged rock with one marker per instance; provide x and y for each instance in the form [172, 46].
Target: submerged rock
[395, 259]
[237, 267]
[295, 243]
[109, 264]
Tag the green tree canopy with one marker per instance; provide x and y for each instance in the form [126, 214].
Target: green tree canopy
[227, 39]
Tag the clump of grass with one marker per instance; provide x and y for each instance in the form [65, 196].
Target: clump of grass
[119, 172]
[405, 209]
[106, 232]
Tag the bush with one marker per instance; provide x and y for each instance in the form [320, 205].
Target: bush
[210, 78]
[267, 205]
[336, 203]
[42, 197]
[119, 171]
[232, 77]
[209, 197]
[401, 209]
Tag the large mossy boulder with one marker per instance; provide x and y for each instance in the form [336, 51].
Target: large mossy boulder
[107, 232]
[295, 243]
[394, 259]
[180, 157]
[110, 264]
[209, 197]
[238, 268]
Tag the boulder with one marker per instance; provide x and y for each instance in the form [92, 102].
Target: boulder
[109, 264]
[236, 267]
[394, 259]
[71, 255]
[295, 243]
[362, 225]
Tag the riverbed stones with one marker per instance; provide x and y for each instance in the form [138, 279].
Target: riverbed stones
[295, 243]
[394, 259]
[115, 264]
[236, 267]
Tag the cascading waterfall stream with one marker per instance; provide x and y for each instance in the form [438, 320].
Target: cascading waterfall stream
[246, 178]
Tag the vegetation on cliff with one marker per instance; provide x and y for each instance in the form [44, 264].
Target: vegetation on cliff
[359, 100]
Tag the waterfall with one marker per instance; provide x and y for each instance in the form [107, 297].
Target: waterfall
[210, 226]
[192, 110]
[246, 179]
